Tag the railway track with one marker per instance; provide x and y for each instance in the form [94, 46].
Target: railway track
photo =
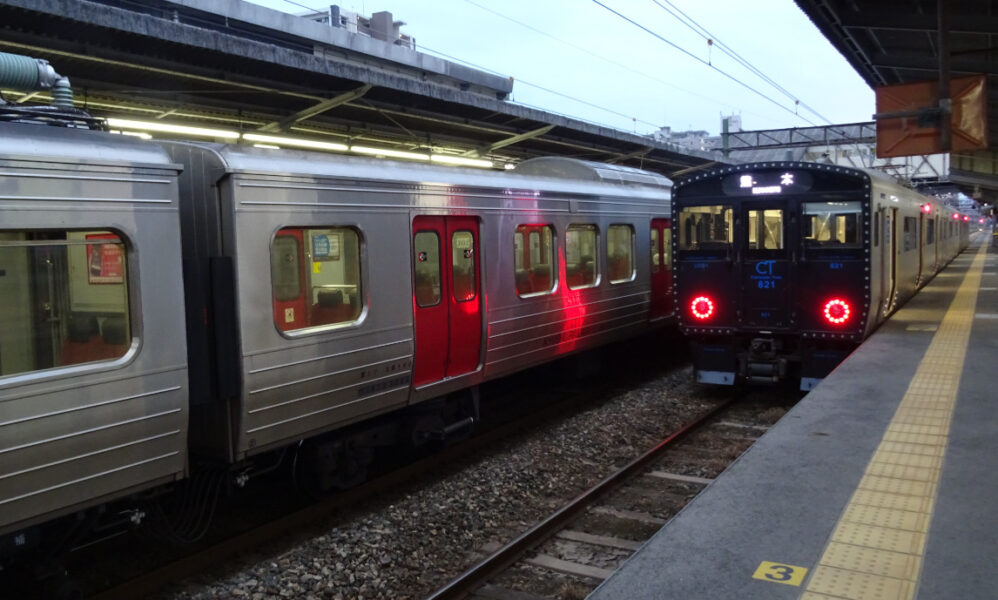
[570, 552]
[302, 523]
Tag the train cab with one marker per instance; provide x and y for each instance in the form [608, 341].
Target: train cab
[772, 269]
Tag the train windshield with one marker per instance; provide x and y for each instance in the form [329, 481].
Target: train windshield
[832, 224]
[705, 227]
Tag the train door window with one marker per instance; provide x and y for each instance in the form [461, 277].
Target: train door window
[535, 273]
[667, 248]
[315, 275]
[427, 252]
[463, 265]
[930, 232]
[64, 297]
[620, 253]
[580, 256]
[765, 230]
[832, 224]
[705, 227]
[655, 255]
[910, 233]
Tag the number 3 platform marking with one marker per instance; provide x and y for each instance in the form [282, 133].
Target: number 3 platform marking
[780, 573]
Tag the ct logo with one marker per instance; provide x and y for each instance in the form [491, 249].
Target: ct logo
[764, 267]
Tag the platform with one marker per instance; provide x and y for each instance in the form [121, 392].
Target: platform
[880, 484]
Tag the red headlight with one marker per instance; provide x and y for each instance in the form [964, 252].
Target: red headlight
[837, 311]
[702, 308]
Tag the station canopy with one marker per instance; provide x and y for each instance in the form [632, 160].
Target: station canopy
[231, 65]
[891, 42]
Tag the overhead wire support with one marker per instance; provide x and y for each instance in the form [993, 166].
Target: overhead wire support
[712, 39]
[700, 60]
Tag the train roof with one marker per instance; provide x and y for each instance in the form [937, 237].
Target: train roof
[561, 175]
[32, 142]
[572, 168]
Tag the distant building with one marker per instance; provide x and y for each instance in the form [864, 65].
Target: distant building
[696, 140]
[379, 25]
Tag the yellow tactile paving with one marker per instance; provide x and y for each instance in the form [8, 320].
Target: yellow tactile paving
[886, 517]
[875, 551]
[844, 583]
[898, 565]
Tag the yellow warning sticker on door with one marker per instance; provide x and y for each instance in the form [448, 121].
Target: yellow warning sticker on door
[780, 573]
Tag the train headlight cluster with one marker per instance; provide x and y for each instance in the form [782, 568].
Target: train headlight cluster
[837, 311]
[702, 308]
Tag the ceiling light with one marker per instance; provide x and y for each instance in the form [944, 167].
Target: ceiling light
[286, 141]
[138, 134]
[267, 146]
[509, 166]
[391, 153]
[461, 160]
[167, 128]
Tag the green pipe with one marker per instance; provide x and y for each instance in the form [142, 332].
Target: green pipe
[20, 72]
[26, 74]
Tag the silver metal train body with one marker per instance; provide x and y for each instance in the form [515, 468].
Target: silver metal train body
[173, 304]
[783, 268]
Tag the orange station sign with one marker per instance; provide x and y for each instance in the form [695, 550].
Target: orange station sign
[911, 136]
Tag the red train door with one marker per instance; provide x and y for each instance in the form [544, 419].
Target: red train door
[661, 268]
[288, 280]
[446, 297]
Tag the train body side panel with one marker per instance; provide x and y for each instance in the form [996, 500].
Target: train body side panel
[300, 382]
[104, 423]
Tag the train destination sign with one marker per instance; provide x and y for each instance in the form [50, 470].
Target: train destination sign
[766, 183]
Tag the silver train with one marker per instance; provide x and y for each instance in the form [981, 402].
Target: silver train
[782, 268]
[172, 309]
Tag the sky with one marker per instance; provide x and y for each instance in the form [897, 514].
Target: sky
[581, 59]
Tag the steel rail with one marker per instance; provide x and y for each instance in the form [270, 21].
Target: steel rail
[492, 565]
[148, 583]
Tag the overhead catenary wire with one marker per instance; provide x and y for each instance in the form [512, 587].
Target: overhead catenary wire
[702, 31]
[540, 87]
[594, 54]
[702, 61]
[526, 83]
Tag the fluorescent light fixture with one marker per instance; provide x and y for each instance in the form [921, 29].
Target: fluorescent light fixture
[138, 134]
[509, 166]
[299, 143]
[391, 153]
[461, 160]
[168, 128]
[267, 146]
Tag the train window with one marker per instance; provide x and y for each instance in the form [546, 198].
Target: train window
[930, 232]
[427, 272]
[705, 227]
[910, 233]
[876, 229]
[463, 265]
[620, 253]
[832, 224]
[65, 299]
[580, 256]
[285, 273]
[534, 271]
[765, 229]
[315, 276]
[654, 251]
